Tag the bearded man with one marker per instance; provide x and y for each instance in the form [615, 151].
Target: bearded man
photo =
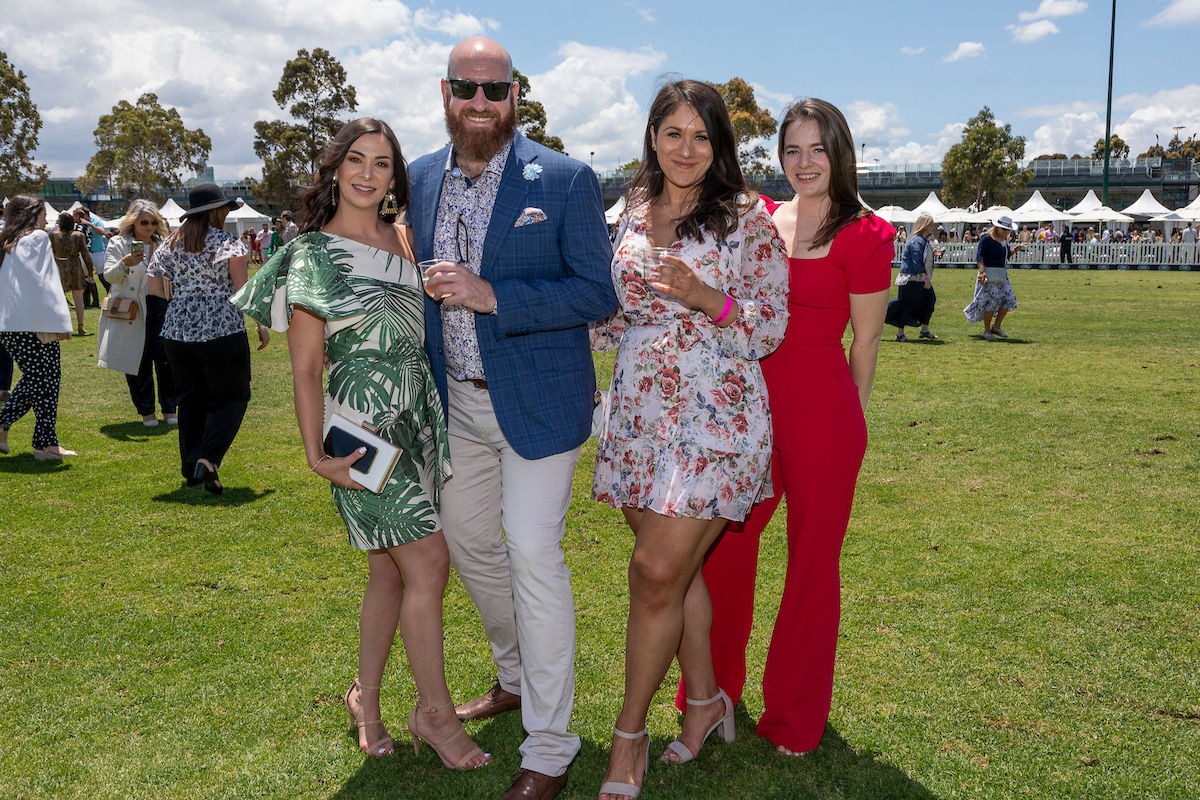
[523, 257]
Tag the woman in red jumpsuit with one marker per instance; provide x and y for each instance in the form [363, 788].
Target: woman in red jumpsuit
[840, 258]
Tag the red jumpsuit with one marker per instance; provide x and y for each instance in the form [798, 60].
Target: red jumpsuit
[820, 437]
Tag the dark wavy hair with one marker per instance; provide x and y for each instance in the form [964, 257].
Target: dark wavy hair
[316, 206]
[20, 218]
[717, 208]
[66, 222]
[843, 167]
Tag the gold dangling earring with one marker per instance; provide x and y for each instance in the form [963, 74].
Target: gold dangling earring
[333, 193]
[389, 207]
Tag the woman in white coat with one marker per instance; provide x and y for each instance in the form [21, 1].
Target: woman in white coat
[33, 319]
[135, 346]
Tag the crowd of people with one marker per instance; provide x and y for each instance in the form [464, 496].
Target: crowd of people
[455, 303]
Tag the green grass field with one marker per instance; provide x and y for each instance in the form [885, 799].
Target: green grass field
[1021, 602]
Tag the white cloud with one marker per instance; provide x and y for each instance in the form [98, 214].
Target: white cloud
[965, 50]
[1068, 133]
[874, 124]
[589, 105]
[458, 25]
[1054, 8]
[58, 115]
[914, 153]
[195, 57]
[1179, 12]
[646, 14]
[1159, 113]
[1033, 31]
[912, 51]
[1075, 127]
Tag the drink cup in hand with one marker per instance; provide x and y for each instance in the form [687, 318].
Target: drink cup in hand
[424, 267]
[653, 261]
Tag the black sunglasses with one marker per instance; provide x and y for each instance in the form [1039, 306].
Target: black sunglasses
[494, 91]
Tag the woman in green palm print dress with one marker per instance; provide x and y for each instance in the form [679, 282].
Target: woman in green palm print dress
[347, 288]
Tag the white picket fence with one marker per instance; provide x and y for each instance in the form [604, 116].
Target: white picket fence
[1140, 256]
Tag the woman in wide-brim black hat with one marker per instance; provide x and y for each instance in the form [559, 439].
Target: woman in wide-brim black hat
[198, 267]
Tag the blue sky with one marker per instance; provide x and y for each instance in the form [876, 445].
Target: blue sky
[907, 75]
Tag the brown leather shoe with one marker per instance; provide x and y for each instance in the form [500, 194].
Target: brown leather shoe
[530, 785]
[495, 701]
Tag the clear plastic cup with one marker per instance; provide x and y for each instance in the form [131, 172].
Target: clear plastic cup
[423, 269]
[653, 261]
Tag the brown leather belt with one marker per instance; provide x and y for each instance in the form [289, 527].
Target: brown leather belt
[478, 383]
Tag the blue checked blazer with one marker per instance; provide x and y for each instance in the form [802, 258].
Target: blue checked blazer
[551, 279]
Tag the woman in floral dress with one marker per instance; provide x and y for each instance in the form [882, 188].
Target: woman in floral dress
[347, 288]
[204, 336]
[686, 442]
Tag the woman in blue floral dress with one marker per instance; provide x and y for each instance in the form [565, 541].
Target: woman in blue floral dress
[347, 289]
[204, 336]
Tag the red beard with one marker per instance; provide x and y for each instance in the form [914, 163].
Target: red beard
[480, 145]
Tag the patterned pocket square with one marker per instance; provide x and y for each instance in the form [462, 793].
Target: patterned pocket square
[530, 216]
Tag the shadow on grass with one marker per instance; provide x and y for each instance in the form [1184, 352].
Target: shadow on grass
[23, 463]
[1010, 340]
[838, 770]
[747, 768]
[196, 496]
[135, 431]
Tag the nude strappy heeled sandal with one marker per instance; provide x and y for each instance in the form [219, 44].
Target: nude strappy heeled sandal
[725, 723]
[381, 747]
[629, 789]
[440, 747]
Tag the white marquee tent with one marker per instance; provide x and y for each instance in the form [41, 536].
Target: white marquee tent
[614, 212]
[955, 216]
[171, 212]
[1036, 209]
[1180, 218]
[1102, 214]
[1145, 207]
[932, 205]
[896, 215]
[246, 217]
[1089, 203]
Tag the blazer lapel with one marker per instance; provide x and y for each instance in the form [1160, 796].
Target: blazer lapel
[423, 207]
[510, 201]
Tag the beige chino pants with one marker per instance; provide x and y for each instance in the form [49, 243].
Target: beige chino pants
[504, 517]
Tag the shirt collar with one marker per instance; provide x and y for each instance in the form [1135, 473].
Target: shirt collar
[494, 166]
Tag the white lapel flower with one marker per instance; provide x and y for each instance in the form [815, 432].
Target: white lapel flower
[532, 172]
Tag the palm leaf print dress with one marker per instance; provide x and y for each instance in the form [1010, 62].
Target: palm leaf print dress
[373, 307]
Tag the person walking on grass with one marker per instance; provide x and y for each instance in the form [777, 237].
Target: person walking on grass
[994, 296]
[33, 319]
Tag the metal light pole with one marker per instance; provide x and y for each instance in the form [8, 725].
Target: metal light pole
[1112, 40]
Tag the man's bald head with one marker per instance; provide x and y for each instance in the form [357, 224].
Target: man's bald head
[479, 52]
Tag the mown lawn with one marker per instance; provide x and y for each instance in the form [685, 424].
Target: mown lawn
[1021, 611]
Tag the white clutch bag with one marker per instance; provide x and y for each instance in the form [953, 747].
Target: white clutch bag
[343, 437]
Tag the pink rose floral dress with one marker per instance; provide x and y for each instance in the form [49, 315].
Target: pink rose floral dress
[687, 429]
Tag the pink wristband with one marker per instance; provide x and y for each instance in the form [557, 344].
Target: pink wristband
[719, 318]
